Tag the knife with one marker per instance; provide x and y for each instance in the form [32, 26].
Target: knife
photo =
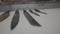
[4, 16]
[39, 11]
[31, 20]
[33, 12]
[15, 20]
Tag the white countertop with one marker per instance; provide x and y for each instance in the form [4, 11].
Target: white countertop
[50, 23]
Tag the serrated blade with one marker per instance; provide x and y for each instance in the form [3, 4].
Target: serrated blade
[33, 12]
[4, 16]
[15, 20]
[40, 11]
[31, 20]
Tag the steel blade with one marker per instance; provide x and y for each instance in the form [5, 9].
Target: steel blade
[31, 20]
[33, 12]
[4, 16]
[15, 20]
[40, 11]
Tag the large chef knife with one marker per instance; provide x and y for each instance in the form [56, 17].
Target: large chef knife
[4, 16]
[15, 20]
[31, 20]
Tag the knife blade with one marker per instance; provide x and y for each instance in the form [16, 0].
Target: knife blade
[40, 11]
[4, 16]
[31, 20]
[33, 12]
[15, 20]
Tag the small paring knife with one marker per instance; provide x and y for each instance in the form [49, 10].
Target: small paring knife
[33, 12]
[39, 11]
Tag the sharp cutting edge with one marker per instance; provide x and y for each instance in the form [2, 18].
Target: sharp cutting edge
[4, 16]
[40, 11]
[33, 12]
[15, 20]
[31, 20]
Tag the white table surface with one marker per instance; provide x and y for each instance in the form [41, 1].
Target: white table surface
[50, 23]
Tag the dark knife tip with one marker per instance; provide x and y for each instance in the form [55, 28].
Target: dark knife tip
[12, 28]
[37, 25]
